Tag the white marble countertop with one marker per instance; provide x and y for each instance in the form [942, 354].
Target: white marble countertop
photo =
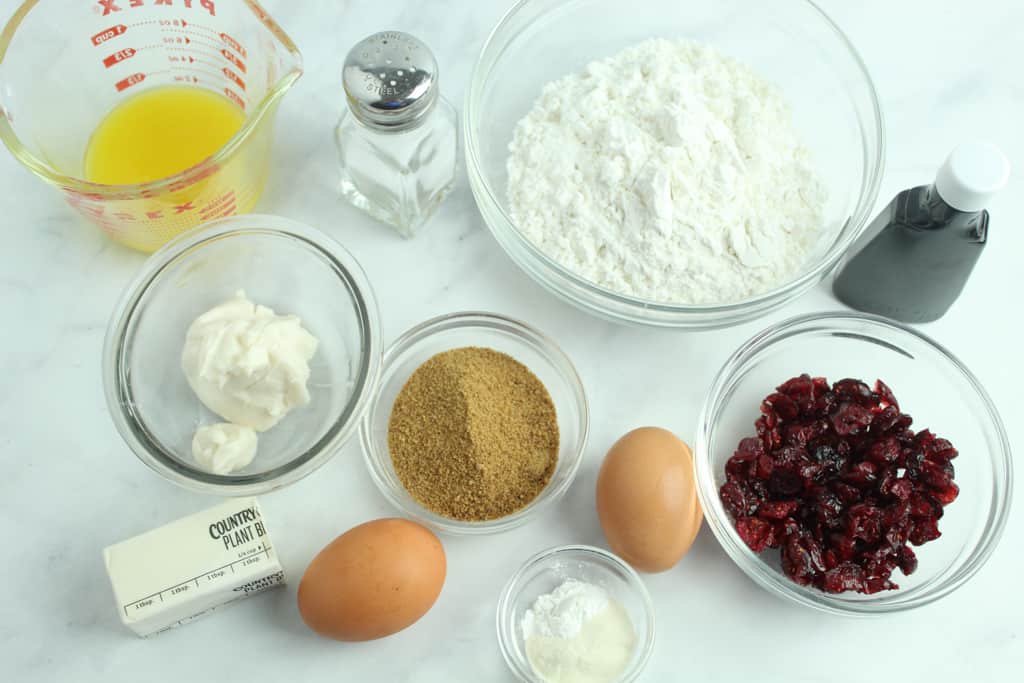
[945, 71]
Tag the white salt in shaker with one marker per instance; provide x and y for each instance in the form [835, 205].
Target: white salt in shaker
[398, 141]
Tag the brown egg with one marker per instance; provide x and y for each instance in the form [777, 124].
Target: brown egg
[374, 580]
[647, 499]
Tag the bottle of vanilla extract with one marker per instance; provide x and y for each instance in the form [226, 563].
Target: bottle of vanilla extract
[913, 261]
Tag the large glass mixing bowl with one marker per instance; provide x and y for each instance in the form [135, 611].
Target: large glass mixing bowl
[789, 42]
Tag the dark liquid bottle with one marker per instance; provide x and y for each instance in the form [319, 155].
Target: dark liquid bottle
[913, 261]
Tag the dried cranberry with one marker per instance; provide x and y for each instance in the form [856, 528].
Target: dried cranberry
[885, 420]
[901, 488]
[788, 455]
[798, 385]
[936, 475]
[845, 547]
[750, 447]
[836, 479]
[898, 534]
[827, 455]
[880, 561]
[821, 403]
[762, 466]
[850, 418]
[801, 559]
[885, 393]
[947, 495]
[784, 529]
[908, 560]
[925, 529]
[924, 505]
[912, 460]
[924, 438]
[828, 508]
[864, 522]
[785, 482]
[884, 452]
[737, 499]
[862, 475]
[782, 405]
[854, 390]
[756, 533]
[737, 468]
[843, 577]
[830, 559]
[809, 471]
[942, 451]
[877, 584]
[777, 509]
[847, 494]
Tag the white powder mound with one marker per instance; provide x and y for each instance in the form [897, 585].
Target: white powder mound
[563, 612]
[668, 172]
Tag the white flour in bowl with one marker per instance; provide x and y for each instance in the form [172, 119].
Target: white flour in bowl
[668, 172]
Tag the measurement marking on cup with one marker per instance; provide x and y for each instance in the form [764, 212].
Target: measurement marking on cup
[234, 45]
[219, 204]
[180, 40]
[225, 53]
[196, 37]
[225, 211]
[135, 79]
[234, 78]
[193, 24]
[221, 211]
[173, 59]
[109, 34]
[230, 56]
[195, 51]
[119, 57]
[235, 97]
[126, 83]
[215, 78]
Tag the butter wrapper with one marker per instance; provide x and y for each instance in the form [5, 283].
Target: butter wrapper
[181, 571]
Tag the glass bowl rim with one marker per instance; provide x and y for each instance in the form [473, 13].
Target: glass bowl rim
[484, 194]
[115, 376]
[522, 332]
[593, 555]
[751, 564]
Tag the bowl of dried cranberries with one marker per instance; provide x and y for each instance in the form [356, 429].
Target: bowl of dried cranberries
[852, 464]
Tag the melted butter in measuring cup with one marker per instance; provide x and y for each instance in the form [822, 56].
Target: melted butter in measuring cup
[177, 87]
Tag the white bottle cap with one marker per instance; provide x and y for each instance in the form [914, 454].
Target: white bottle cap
[972, 175]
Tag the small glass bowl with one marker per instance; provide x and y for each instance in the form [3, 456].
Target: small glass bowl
[543, 572]
[930, 384]
[792, 43]
[531, 348]
[285, 265]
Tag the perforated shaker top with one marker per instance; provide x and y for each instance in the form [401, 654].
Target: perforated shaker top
[390, 79]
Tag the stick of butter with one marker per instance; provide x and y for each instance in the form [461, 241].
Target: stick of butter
[177, 573]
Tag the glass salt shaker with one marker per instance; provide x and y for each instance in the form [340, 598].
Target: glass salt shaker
[397, 142]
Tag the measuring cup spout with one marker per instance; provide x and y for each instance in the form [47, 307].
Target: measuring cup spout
[98, 55]
[290, 65]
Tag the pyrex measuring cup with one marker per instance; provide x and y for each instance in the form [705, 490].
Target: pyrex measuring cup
[65, 64]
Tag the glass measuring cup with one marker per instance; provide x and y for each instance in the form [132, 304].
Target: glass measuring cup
[65, 65]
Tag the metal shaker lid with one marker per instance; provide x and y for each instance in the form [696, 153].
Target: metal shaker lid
[390, 79]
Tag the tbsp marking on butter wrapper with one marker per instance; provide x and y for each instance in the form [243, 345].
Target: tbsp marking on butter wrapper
[174, 574]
